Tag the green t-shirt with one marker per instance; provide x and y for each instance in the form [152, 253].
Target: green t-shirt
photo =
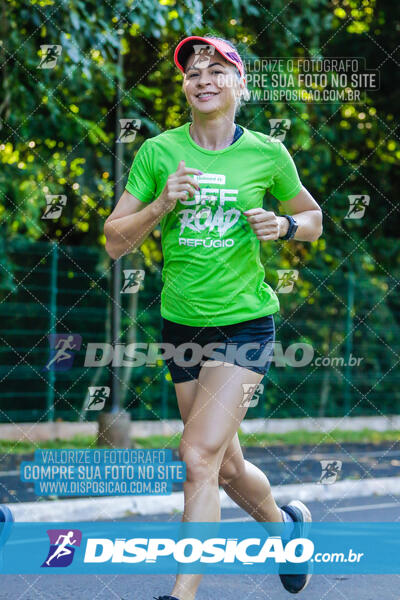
[212, 273]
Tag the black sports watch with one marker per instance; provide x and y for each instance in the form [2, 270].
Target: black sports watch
[293, 226]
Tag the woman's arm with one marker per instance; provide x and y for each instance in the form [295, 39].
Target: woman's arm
[303, 208]
[131, 220]
[307, 213]
[130, 223]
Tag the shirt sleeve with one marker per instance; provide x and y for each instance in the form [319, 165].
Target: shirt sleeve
[286, 181]
[141, 180]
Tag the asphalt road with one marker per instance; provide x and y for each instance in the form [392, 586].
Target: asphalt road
[282, 464]
[225, 587]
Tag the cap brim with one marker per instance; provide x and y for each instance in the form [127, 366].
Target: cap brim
[185, 48]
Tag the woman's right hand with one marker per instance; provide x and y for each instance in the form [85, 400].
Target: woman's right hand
[179, 185]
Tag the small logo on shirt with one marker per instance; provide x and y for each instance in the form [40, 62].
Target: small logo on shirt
[210, 178]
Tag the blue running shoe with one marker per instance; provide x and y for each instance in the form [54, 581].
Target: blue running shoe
[295, 582]
[6, 521]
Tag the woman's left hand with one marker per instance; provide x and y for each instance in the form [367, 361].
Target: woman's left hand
[266, 224]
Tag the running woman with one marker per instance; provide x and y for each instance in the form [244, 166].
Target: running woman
[204, 182]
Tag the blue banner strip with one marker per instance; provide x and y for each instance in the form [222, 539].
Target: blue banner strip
[163, 547]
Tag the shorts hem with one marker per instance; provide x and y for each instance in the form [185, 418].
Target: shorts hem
[187, 378]
[250, 317]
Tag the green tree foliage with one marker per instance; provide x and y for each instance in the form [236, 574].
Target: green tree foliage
[57, 133]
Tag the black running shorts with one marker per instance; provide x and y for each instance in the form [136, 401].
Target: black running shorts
[248, 344]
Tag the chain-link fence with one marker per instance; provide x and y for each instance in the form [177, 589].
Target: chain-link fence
[336, 351]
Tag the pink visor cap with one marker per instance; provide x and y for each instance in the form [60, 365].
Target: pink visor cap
[188, 45]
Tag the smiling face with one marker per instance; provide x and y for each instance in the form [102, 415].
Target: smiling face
[213, 88]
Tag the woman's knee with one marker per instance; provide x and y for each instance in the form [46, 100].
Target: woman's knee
[230, 470]
[201, 461]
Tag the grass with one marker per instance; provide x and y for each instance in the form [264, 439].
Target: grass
[292, 438]
[79, 441]
[300, 437]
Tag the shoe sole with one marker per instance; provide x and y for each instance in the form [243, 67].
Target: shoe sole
[305, 528]
[5, 530]
[305, 511]
[5, 526]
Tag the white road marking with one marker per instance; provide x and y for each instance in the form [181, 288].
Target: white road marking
[337, 510]
[368, 506]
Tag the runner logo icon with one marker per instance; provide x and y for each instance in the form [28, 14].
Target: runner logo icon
[62, 351]
[49, 56]
[62, 547]
[357, 206]
[279, 128]
[54, 206]
[129, 129]
[330, 470]
[251, 394]
[133, 279]
[97, 397]
[287, 279]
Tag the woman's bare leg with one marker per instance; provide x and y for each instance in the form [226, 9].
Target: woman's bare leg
[249, 487]
[245, 483]
[211, 424]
